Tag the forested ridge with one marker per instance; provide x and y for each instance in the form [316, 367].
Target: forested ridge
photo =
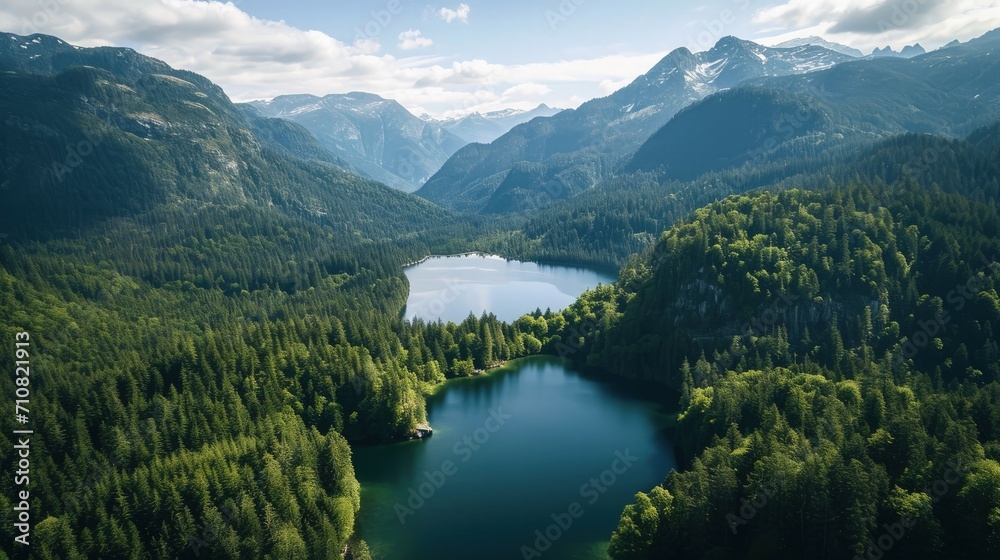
[837, 367]
[167, 381]
[625, 215]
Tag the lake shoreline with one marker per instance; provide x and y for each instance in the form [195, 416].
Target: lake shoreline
[424, 430]
[466, 254]
[538, 415]
[481, 373]
[611, 270]
[448, 289]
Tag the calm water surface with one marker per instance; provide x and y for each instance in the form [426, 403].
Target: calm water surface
[488, 487]
[449, 288]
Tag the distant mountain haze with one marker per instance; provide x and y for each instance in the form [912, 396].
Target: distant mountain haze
[909, 51]
[96, 133]
[487, 127]
[820, 42]
[658, 123]
[378, 137]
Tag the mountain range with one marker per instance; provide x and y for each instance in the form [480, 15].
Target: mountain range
[693, 113]
[820, 42]
[97, 133]
[378, 137]
[950, 91]
[690, 114]
[382, 140]
[487, 127]
[908, 51]
[573, 150]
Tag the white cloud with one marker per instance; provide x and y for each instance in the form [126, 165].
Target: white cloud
[799, 13]
[259, 59]
[527, 90]
[413, 39]
[867, 24]
[610, 86]
[367, 46]
[459, 14]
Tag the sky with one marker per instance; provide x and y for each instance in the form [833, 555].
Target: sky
[448, 58]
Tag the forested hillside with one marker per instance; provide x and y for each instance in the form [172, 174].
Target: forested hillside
[625, 215]
[730, 129]
[213, 315]
[836, 361]
[198, 392]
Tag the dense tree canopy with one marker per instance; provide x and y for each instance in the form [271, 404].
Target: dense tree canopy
[837, 370]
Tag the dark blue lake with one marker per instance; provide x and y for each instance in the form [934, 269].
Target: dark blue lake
[535, 446]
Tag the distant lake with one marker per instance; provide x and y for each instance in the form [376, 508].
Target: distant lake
[449, 288]
[511, 450]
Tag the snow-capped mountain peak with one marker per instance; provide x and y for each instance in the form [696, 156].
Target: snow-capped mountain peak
[487, 127]
[820, 42]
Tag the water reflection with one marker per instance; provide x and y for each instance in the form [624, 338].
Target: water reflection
[449, 288]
